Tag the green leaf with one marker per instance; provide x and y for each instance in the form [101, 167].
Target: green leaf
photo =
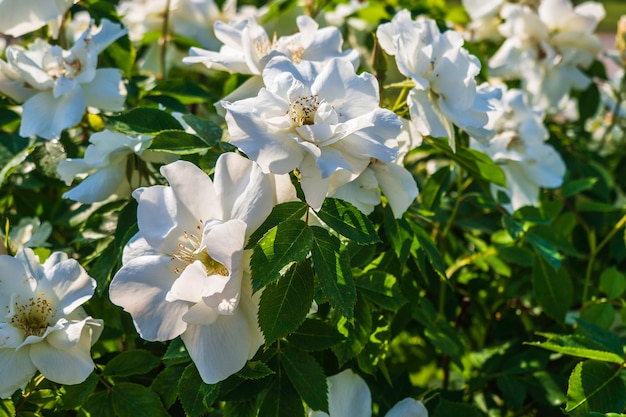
[333, 270]
[315, 335]
[16, 160]
[307, 378]
[588, 102]
[281, 400]
[255, 370]
[75, 395]
[348, 221]
[513, 390]
[612, 282]
[184, 90]
[476, 162]
[144, 120]
[7, 409]
[134, 400]
[398, 233]
[596, 206]
[284, 244]
[284, 306]
[241, 409]
[553, 290]
[580, 346]
[206, 129]
[196, 396]
[448, 409]
[356, 331]
[100, 405]
[120, 54]
[595, 386]
[548, 387]
[381, 288]
[513, 227]
[544, 248]
[292, 210]
[176, 353]
[423, 246]
[577, 186]
[131, 362]
[435, 187]
[447, 339]
[178, 143]
[609, 340]
[601, 314]
[164, 382]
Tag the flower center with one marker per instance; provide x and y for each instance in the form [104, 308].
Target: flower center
[33, 317]
[516, 144]
[190, 250]
[60, 67]
[264, 46]
[302, 111]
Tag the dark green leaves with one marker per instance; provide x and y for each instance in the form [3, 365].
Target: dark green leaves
[580, 346]
[281, 246]
[477, 163]
[284, 305]
[333, 270]
[348, 221]
[144, 120]
[553, 289]
[132, 362]
[307, 378]
[196, 396]
[595, 386]
[293, 210]
[179, 143]
[134, 400]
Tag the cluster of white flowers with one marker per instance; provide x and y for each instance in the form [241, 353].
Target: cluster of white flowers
[57, 85]
[105, 169]
[519, 148]
[545, 46]
[444, 74]
[305, 111]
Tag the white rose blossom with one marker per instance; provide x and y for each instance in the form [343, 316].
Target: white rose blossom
[186, 273]
[18, 18]
[29, 232]
[57, 85]
[444, 73]
[326, 124]
[349, 396]
[519, 148]
[105, 167]
[192, 19]
[247, 49]
[485, 19]
[42, 324]
[546, 48]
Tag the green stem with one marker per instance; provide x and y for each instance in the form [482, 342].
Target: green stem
[592, 258]
[594, 250]
[164, 40]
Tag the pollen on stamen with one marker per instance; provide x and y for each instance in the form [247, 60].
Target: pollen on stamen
[302, 111]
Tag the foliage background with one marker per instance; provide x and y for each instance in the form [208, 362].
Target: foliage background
[472, 310]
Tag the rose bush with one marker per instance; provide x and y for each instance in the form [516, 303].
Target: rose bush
[311, 208]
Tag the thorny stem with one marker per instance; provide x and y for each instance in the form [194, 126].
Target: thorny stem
[164, 40]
